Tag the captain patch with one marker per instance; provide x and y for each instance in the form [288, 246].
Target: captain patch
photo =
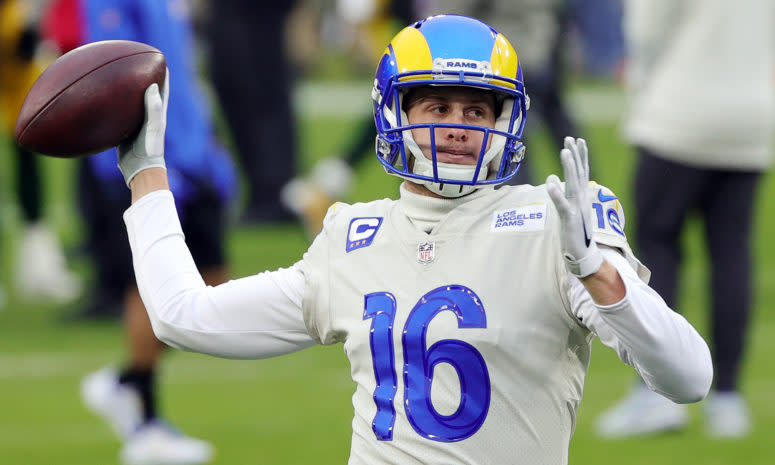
[523, 218]
[361, 232]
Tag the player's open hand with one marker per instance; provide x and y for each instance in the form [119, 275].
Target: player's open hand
[146, 149]
[582, 256]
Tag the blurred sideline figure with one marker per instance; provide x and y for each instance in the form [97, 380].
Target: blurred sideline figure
[362, 28]
[250, 71]
[598, 26]
[701, 120]
[202, 177]
[40, 269]
[542, 25]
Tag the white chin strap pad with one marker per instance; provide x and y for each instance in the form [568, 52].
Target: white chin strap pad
[424, 167]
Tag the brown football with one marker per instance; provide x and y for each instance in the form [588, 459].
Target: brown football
[90, 99]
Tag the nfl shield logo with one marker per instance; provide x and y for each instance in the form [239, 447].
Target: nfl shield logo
[425, 252]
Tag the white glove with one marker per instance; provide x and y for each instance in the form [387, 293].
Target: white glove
[146, 150]
[582, 257]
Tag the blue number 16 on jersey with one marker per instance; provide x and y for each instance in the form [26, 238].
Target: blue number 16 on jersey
[419, 364]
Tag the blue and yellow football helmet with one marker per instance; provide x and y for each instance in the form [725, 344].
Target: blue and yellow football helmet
[450, 50]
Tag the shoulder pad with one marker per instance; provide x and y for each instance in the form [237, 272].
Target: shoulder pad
[607, 212]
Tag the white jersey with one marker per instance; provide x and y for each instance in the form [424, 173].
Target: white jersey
[679, 53]
[463, 337]
[468, 344]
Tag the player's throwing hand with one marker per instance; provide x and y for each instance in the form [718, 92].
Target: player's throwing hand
[582, 256]
[146, 150]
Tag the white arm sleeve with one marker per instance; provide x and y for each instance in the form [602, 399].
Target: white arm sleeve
[254, 317]
[664, 348]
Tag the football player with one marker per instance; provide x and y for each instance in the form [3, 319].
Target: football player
[40, 265]
[467, 313]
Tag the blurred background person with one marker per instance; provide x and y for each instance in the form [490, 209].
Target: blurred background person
[597, 24]
[203, 180]
[540, 27]
[250, 71]
[40, 268]
[360, 28]
[701, 119]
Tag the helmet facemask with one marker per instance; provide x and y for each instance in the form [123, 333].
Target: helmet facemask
[500, 152]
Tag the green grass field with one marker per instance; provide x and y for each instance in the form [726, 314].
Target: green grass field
[296, 409]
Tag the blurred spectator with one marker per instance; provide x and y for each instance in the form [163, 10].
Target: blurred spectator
[250, 71]
[364, 24]
[598, 26]
[40, 269]
[701, 120]
[538, 27]
[202, 178]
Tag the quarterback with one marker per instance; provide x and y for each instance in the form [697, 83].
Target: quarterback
[467, 312]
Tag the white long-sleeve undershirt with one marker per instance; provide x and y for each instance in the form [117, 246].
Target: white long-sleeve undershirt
[260, 316]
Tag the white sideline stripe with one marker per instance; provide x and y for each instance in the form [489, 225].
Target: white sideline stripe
[17, 436]
[350, 99]
[183, 368]
[47, 364]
